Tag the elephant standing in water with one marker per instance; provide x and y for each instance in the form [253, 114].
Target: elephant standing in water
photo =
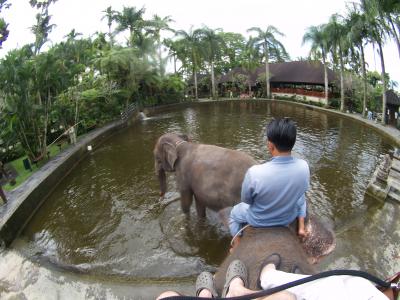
[213, 175]
[259, 243]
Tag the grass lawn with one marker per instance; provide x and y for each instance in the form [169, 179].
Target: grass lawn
[24, 174]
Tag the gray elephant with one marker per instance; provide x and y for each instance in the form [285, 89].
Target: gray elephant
[259, 243]
[213, 175]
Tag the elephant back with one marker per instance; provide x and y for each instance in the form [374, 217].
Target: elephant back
[258, 243]
[215, 174]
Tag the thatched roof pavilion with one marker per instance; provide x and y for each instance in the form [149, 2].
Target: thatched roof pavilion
[294, 72]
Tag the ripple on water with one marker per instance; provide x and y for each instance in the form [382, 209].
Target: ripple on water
[106, 214]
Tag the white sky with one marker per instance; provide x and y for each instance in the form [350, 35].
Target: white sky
[291, 17]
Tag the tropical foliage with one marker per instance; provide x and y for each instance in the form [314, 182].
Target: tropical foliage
[88, 81]
[344, 38]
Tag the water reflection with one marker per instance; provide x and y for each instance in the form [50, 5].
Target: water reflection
[106, 216]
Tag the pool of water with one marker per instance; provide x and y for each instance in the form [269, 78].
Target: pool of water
[104, 230]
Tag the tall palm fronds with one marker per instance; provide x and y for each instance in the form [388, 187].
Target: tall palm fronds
[271, 48]
[191, 53]
[155, 27]
[212, 48]
[316, 35]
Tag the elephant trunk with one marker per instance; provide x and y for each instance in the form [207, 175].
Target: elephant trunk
[163, 182]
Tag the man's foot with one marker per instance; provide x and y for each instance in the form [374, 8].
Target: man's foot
[271, 262]
[296, 270]
[235, 275]
[302, 233]
[205, 286]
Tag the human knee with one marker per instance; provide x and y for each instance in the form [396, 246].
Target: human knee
[167, 294]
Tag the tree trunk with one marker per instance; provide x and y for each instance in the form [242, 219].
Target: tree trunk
[195, 84]
[175, 64]
[111, 37]
[267, 82]
[341, 83]
[249, 80]
[384, 85]
[39, 98]
[46, 120]
[159, 56]
[364, 76]
[325, 79]
[213, 81]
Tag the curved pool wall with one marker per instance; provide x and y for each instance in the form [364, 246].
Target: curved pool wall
[24, 273]
[25, 200]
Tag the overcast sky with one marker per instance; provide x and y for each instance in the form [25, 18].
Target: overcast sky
[291, 17]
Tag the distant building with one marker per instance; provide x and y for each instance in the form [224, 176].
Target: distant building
[302, 80]
[393, 105]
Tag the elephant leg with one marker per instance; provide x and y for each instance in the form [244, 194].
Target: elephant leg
[200, 208]
[186, 200]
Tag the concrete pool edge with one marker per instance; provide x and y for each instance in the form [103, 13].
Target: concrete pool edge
[25, 200]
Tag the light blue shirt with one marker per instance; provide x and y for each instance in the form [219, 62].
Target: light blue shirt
[275, 191]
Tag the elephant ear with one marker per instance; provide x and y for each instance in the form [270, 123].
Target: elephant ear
[170, 157]
[184, 137]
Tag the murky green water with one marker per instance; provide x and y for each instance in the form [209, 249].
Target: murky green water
[105, 219]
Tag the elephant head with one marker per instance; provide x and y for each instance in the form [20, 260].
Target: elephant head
[166, 155]
[262, 242]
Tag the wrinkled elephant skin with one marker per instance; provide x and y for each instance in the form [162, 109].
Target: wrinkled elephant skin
[213, 175]
[258, 243]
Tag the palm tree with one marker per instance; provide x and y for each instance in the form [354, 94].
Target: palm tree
[156, 25]
[316, 35]
[132, 19]
[357, 34]
[389, 14]
[212, 50]
[176, 48]
[377, 35]
[41, 30]
[250, 59]
[271, 47]
[72, 35]
[110, 15]
[336, 37]
[191, 52]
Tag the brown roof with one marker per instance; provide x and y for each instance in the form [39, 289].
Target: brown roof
[303, 72]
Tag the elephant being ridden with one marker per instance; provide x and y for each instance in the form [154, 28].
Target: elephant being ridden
[212, 174]
[259, 243]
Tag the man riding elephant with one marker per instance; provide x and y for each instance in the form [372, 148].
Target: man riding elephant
[273, 193]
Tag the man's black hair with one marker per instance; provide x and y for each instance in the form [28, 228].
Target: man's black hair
[282, 133]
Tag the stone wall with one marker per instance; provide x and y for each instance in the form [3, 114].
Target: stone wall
[26, 199]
